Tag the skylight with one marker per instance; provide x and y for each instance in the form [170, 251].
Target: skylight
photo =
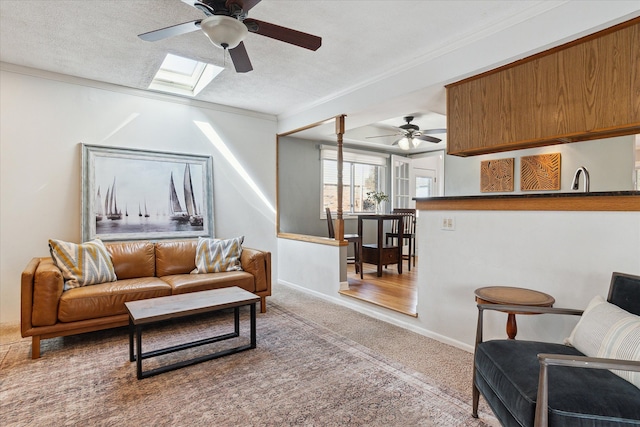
[183, 76]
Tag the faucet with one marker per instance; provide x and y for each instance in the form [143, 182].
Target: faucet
[576, 179]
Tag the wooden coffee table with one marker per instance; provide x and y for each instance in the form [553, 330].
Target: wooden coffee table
[513, 296]
[153, 310]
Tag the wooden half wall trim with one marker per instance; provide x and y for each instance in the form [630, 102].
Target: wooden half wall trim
[617, 201]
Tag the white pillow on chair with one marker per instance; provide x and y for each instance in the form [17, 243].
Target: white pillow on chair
[605, 330]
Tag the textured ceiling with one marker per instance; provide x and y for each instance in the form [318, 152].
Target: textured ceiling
[362, 42]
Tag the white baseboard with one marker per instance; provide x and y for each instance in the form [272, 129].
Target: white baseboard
[379, 314]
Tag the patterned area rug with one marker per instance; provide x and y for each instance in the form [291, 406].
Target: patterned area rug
[300, 374]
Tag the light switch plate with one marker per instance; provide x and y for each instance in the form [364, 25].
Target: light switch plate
[448, 224]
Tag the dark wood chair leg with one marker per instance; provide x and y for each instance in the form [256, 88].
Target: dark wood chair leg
[414, 252]
[355, 256]
[476, 399]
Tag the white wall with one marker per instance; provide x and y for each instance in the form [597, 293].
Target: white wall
[317, 268]
[45, 117]
[569, 255]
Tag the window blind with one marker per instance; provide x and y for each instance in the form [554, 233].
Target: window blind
[353, 156]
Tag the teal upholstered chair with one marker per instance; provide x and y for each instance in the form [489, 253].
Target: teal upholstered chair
[529, 383]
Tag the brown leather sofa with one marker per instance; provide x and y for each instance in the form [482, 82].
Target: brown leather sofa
[144, 270]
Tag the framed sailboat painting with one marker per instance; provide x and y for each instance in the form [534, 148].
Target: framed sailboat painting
[130, 194]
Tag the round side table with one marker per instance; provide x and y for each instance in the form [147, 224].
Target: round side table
[512, 296]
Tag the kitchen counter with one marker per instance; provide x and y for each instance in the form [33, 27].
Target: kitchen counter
[573, 201]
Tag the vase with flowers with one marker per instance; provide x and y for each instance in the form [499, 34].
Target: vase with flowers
[377, 197]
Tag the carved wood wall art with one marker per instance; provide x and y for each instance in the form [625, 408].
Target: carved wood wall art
[540, 172]
[496, 175]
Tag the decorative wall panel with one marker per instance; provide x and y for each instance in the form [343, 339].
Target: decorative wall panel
[541, 172]
[496, 175]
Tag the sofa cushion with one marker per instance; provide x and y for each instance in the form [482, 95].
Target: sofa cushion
[82, 264]
[215, 255]
[183, 283]
[508, 376]
[606, 330]
[175, 257]
[133, 259]
[107, 299]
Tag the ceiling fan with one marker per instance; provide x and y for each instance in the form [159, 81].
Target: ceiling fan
[226, 24]
[411, 136]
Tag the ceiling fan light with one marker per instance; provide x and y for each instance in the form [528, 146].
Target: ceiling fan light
[224, 31]
[415, 142]
[404, 144]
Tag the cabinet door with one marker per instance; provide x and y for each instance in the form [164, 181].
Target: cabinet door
[587, 89]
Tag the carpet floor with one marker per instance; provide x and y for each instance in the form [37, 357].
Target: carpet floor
[301, 373]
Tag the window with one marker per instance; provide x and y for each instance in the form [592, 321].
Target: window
[361, 173]
[183, 76]
[424, 185]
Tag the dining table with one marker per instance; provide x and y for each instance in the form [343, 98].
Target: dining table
[380, 253]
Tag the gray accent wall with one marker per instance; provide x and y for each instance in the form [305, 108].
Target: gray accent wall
[299, 187]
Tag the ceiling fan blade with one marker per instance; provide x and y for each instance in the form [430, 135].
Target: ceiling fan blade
[287, 35]
[381, 136]
[432, 131]
[427, 138]
[174, 30]
[240, 58]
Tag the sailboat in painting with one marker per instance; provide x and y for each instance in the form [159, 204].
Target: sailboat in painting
[175, 208]
[195, 218]
[97, 206]
[111, 203]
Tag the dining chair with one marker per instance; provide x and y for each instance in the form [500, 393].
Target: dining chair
[351, 238]
[409, 234]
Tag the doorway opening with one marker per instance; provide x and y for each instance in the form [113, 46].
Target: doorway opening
[418, 177]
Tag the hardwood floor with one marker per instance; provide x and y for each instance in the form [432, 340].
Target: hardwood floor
[394, 291]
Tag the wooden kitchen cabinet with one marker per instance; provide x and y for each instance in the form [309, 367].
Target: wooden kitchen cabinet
[586, 89]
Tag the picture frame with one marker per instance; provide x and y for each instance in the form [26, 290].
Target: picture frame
[134, 194]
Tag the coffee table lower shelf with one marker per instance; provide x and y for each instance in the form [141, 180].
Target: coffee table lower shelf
[178, 306]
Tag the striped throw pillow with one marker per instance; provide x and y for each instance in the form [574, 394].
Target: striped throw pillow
[215, 255]
[606, 330]
[82, 264]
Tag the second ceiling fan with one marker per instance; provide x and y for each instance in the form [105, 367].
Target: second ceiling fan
[411, 136]
[226, 24]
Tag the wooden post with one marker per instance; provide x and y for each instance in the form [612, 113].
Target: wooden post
[339, 225]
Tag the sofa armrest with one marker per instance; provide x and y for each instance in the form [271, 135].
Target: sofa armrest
[546, 360]
[258, 263]
[26, 295]
[42, 284]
